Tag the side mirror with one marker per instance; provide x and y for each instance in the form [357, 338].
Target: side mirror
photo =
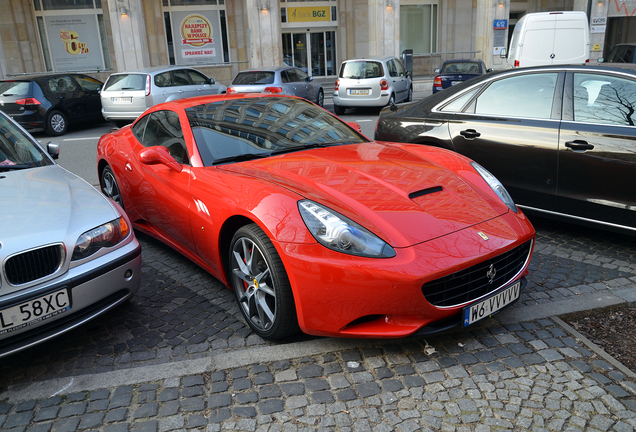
[600, 59]
[212, 81]
[309, 79]
[159, 155]
[355, 126]
[438, 70]
[490, 70]
[503, 53]
[53, 149]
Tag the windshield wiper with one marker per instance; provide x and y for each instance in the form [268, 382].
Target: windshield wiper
[14, 167]
[241, 158]
[306, 147]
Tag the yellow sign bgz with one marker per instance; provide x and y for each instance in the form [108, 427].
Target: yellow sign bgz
[308, 14]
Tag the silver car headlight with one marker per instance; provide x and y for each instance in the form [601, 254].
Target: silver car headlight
[341, 234]
[107, 235]
[496, 186]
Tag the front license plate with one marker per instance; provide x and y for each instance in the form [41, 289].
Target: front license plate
[359, 92]
[34, 311]
[122, 99]
[492, 304]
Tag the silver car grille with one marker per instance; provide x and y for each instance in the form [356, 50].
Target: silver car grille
[34, 264]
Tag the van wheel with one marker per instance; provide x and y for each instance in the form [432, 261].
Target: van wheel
[338, 110]
[56, 123]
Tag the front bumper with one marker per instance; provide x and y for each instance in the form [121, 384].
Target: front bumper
[94, 288]
[347, 296]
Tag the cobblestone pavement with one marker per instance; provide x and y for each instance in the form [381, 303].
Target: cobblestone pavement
[534, 375]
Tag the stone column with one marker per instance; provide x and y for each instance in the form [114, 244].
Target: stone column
[129, 34]
[263, 18]
[598, 10]
[484, 19]
[384, 28]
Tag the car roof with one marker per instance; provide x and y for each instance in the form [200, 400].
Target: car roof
[39, 77]
[463, 61]
[269, 69]
[152, 69]
[384, 58]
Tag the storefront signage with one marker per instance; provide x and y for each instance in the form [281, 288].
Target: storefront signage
[196, 37]
[599, 21]
[74, 42]
[308, 14]
[617, 8]
[597, 29]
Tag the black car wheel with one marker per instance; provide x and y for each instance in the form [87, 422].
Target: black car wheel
[109, 186]
[320, 100]
[56, 123]
[261, 285]
[338, 110]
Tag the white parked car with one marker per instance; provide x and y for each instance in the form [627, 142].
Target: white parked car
[67, 253]
[371, 82]
[126, 95]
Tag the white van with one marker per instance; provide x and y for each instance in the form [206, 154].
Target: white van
[547, 38]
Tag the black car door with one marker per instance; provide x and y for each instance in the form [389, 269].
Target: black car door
[597, 151]
[88, 96]
[512, 129]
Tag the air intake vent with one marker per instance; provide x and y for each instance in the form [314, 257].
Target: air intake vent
[35, 264]
[423, 192]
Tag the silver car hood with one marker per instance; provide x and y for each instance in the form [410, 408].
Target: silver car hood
[48, 205]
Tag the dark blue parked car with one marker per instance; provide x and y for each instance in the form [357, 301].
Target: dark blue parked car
[455, 71]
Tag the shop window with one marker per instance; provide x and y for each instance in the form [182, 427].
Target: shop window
[418, 28]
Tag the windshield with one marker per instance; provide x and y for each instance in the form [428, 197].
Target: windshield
[126, 82]
[254, 78]
[461, 68]
[359, 69]
[240, 129]
[16, 150]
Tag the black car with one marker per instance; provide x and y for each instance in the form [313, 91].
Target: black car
[456, 71]
[561, 139]
[51, 102]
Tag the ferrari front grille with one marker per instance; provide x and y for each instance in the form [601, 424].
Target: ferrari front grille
[479, 280]
[29, 266]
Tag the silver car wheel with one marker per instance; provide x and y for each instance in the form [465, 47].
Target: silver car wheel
[257, 295]
[57, 123]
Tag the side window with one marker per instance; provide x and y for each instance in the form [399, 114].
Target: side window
[604, 99]
[164, 129]
[284, 76]
[301, 75]
[163, 80]
[62, 84]
[180, 78]
[391, 67]
[400, 68]
[197, 77]
[528, 95]
[87, 83]
[293, 77]
[139, 127]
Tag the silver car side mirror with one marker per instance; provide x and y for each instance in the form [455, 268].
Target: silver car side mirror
[53, 149]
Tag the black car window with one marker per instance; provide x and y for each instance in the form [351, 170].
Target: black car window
[15, 88]
[180, 78]
[460, 102]
[529, 95]
[604, 99]
[197, 77]
[87, 83]
[61, 84]
[163, 128]
[163, 79]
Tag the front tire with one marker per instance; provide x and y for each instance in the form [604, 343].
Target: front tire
[56, 123]
[261, 285]
[109, 186]
[320, 100]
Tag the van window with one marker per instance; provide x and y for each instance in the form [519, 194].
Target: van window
[528, 95]
[604, 99]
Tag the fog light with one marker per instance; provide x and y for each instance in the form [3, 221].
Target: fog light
[128, 274]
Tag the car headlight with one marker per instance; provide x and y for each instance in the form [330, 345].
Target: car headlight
[341, 234]
[106, 235]
[496, 186]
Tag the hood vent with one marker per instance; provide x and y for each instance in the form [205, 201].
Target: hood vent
[423, 192]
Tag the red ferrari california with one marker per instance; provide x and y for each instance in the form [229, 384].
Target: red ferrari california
[312, 225]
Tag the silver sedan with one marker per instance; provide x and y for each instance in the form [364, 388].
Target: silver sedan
[279, 80]
[67, 253]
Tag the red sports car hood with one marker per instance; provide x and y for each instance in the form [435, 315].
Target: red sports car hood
[402, 197]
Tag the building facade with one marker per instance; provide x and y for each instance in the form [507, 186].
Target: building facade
[221, 37]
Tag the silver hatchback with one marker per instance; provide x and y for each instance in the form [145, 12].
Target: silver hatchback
[281, 80]
[372, 82]
[126, 95]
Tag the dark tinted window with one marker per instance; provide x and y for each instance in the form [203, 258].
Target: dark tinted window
[197, 77]
[255, 77]
[62, 84]
[260, 126]
[604, 99]
[461, 67]
[519, 96]
[126, 82]
[15, 88]
[180, 78]
[163, 79]
[163, 129]
[87, 83]
[359, 69]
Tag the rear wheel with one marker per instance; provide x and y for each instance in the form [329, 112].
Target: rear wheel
[56, 123]
[320, 100]
[338, 110]
[109, 186]
[261, 285]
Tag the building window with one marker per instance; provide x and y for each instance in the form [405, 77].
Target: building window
[72, 35]
[196, 35]
[418, 28]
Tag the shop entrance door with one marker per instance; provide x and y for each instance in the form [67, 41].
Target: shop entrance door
[313, 52]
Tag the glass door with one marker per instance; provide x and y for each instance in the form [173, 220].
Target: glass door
[313, 52]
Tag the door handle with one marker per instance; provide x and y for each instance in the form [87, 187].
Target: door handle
[470, 134]
[578, 145]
